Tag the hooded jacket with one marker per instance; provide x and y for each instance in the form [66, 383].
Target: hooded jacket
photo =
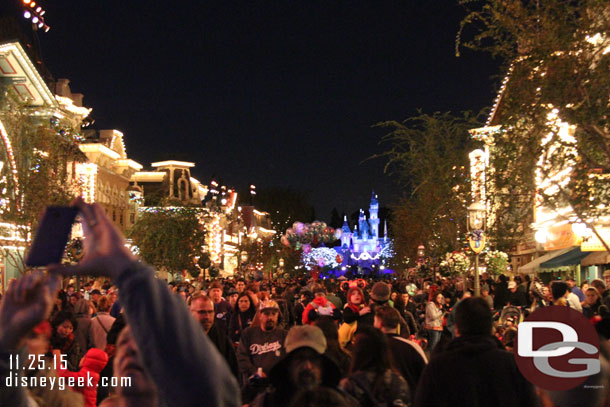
[320, 306]
[91, 365]
[474, 371]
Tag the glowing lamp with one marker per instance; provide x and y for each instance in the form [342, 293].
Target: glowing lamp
[35, 20]
[27, 14]
[476, 216]
[421, 251]
[541, 236]
[40, 25]
[26, 1]
[33, 4]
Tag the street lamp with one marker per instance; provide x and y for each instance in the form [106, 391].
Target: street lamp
[244, 259]
[421, 251]
[476, 240]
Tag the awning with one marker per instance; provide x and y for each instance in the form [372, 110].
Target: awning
[571, 258]
[533, 265]
[596, 258]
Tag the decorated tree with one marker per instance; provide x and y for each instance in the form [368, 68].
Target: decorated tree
[553, 106]
[170, 239]
[497, 261]
[310, 235]
[455, 263]
[428, 155]
[36, 166]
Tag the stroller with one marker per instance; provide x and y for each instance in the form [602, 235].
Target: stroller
[510, 316]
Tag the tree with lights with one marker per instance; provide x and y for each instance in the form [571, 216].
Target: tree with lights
[170, 239]
[553, 106]
[36, 168]
[429, 156]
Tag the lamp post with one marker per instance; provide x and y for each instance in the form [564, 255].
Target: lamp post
[244, 259]
[476, 240]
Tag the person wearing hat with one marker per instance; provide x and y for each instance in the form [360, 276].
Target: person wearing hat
[260, 348]
[232, 295]
[351, 313]
[516, 297]
[318, 307]
[94, 296]
[304, 368]
[380, 295]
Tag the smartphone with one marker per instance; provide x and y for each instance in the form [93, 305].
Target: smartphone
[52, 236]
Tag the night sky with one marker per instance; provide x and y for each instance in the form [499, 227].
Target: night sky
[274, 93]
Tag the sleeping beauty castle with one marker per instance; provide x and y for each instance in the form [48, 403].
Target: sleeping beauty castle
[363, 250]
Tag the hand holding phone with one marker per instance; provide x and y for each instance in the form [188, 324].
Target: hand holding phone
[52, 236]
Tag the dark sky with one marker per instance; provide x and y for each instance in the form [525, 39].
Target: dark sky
[266, 92]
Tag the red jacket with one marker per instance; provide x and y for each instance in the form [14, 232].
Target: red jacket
[322, 307]
[91, 365]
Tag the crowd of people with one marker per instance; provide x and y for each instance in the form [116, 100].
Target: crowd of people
[289, 342]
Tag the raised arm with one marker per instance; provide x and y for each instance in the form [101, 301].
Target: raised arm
[185, 366]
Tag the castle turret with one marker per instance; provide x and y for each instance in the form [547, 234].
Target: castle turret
[346, 233]
[374, 220]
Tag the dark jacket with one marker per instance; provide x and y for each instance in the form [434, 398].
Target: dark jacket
[239, 322]
[407, 360]
[225, 347]
[175, 350]
[474, 371]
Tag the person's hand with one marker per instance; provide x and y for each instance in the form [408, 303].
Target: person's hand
[27, 302]
[365, 310]
[105, 253]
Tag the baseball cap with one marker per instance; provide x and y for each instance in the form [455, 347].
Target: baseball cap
[269, 304]
[301, 336]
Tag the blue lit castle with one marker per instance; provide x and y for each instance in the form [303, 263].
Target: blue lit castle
[364, 251]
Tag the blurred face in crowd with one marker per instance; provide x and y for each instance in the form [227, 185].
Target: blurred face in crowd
[405, 298]
[356, 298]
[233, 299]
[440, 299]
[244, 303]
[215, 294]
[203, 311]
[304, 298]
[306, 368]
[393, 296]
[240, 286]
[591, 297]
[183, 295]
[584, 287]
[268, 318]
[65, 329]
[127, 363]
[73, 299]
[274, 290]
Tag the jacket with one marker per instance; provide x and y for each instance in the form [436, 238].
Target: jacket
[408, 358]
[474, 371]
[168, 336]
[92, 364]
[258, 348]
[225, 347]
[434, 317]
[320, 306]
